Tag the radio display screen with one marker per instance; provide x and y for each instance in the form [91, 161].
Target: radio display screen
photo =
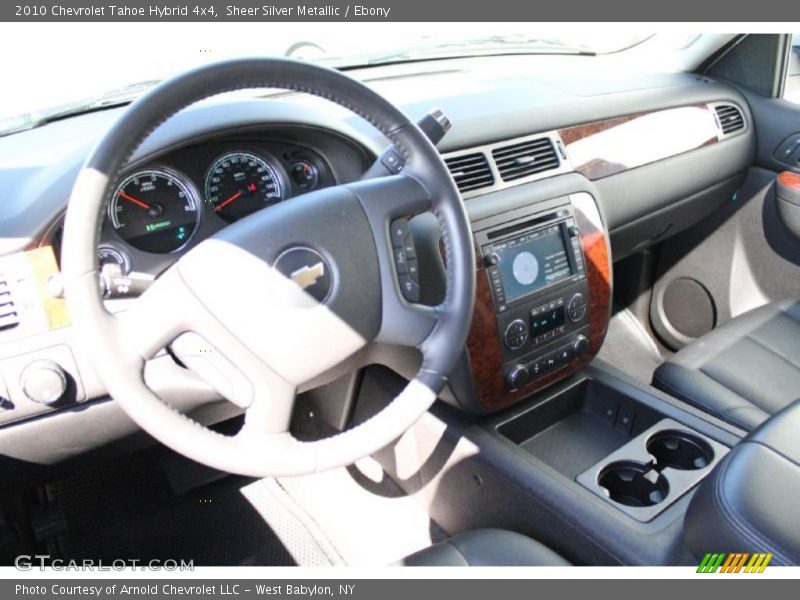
[532, 261]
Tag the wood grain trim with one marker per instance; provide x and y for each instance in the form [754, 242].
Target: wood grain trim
[602, 148]
[43, 265]
[483, 343]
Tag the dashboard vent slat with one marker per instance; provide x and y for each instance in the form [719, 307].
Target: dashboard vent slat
[526, 158]
[730, 118]
[8, 313]
[470, 171]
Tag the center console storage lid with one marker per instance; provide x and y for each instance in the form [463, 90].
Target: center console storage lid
[751, 501]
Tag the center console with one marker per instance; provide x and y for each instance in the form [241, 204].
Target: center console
[543, 297]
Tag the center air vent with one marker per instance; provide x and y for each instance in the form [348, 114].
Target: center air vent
[470, 171]
[526, 158]
[8, 312]
[730, 118]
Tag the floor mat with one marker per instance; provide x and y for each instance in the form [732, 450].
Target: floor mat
[629, 347]
[127, 510]
[366, 516]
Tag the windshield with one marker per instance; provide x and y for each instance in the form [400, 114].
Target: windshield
[111, 65]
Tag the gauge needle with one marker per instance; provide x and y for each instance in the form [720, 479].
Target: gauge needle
[225, 203]
[134, 200]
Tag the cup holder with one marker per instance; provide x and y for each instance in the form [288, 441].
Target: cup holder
[633, 484]
[679, 450]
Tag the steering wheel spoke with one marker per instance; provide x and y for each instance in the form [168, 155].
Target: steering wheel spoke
[389, 203]
[156, 318]
[169, 314]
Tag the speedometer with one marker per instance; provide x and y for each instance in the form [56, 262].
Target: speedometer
[154, 210]
[239, 183]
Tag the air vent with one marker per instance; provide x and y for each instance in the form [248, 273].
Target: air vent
[470, 171]
[730, 118]
[8, 313]
[526, 158]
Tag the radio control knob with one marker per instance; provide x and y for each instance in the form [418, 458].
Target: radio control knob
[516, 334]
[576, 308]
[43, 382]
[517, 376]
[580, 346]
[491, 260]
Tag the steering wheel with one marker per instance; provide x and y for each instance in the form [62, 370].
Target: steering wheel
[280, 296]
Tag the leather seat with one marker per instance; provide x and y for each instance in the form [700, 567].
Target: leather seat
[748, 503]
[486, 548]
[743, 371]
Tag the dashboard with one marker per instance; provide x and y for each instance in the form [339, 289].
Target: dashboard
[630, 157]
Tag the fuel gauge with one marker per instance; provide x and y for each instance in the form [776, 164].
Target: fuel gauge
[305, 174]
[110, 255]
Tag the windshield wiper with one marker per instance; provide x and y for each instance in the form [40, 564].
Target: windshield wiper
[111, 99]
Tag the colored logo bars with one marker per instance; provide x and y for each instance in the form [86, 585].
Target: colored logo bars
[735, 562]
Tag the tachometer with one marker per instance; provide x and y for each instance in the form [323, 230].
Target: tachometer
[239, 183]
[154, 210]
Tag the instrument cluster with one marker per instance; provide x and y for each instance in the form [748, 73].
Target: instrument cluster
[163, 207]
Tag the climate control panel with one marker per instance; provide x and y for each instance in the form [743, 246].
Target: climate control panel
[543, 335]
[523, 373]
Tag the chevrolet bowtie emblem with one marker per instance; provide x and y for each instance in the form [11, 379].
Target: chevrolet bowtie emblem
[307, 276]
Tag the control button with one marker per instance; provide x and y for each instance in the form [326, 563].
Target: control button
[576, 307]
[516, 334]
[573, 231]
[405, 259]
[43, 382]
[392, 161]
[409, 248]
[400, 260]
[535, 369]
[399, 231]
[625, 418]
[517, 376]
[564, 355]
[412, 270]
[491, 260]
[580, 347]
[409, 288]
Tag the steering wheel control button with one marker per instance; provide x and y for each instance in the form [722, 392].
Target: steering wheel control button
[308, 270]
[409, 288]
[44, 382]
[576, 307]
[516, 334]
[412, 268]
[405, 259]
[392, 161]
[409, 248]
[400, 260]
[399, 231]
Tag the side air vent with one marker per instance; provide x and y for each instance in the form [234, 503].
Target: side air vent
[526, 158]
[730, 118]
[470, 171]
[8, 313]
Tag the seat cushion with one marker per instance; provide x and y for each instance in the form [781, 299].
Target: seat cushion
[748, 503]
[743, 371]
[486, 548]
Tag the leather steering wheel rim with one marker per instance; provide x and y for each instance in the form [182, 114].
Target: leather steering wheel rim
[120, 345]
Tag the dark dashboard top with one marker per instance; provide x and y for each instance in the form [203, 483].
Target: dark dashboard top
[487, 99]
